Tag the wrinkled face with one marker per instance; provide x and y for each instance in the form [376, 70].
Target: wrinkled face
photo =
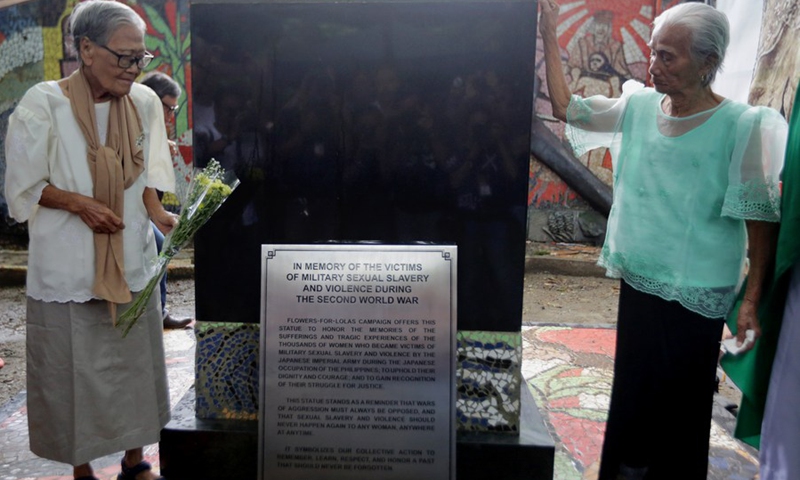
[672, 67]
[105, 77]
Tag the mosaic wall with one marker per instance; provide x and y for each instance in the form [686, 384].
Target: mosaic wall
[603, 44]
[488, 372]
[21, 65]
[226, 370]
[489, 379]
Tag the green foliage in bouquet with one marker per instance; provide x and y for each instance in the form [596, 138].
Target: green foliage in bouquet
[207, 191]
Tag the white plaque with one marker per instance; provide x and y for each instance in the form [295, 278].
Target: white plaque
[358, 362]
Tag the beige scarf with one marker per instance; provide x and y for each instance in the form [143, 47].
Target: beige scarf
[115, 166]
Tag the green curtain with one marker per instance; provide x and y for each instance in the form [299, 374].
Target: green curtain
[750, 371]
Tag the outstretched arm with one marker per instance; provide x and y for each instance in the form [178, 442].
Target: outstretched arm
[557, 86]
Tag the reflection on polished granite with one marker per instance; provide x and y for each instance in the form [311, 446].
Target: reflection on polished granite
[357, 122]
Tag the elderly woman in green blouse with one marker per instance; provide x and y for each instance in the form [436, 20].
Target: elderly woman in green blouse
[695, 184]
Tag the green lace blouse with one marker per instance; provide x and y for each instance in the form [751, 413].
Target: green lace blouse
[683, 188]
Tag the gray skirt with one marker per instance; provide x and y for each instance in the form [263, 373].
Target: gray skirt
[91, 392]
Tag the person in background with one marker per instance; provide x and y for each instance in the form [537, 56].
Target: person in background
[85, 156]
[695, 183]
[168, 91]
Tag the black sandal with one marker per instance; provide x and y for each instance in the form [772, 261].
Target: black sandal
[129, 473]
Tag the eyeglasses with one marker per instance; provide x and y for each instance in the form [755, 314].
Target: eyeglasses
[126, 61]
[171, 108]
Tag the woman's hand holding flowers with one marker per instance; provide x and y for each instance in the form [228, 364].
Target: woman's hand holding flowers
[165, 221]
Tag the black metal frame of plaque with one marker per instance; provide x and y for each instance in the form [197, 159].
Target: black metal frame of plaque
[358, 362]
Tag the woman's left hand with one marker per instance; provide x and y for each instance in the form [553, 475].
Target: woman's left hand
[548, 21]
[165, 221]
[747, 320]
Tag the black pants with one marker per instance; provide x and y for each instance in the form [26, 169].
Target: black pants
[661, 401]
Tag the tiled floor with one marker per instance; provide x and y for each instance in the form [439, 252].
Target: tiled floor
[568, 369]
[18, 463]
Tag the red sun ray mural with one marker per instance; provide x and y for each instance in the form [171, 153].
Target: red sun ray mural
[626, 22]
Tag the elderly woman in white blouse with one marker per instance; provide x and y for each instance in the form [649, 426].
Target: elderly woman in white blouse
[85, 156]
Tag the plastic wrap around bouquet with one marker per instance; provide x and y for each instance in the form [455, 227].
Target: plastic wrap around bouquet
[207, 191]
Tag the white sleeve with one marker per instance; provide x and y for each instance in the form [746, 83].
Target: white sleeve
[27, 147]
[594, 122]
[753, 176]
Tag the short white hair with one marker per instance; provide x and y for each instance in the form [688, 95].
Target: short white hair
[97, 20]
[710, 33]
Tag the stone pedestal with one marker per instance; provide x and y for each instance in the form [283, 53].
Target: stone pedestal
[193, 448]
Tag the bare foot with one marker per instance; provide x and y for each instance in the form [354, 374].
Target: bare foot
[2, 363]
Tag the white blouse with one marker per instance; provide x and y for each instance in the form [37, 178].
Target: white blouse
[45, 146]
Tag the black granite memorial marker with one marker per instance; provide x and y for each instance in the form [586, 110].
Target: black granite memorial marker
[388, 122]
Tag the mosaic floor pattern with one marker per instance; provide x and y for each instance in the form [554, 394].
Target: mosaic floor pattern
[569, 371]
[18, 463]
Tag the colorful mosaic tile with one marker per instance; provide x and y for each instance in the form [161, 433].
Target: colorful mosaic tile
[21, 46]
[487, 387]
[226, 370]
[613, 32]
[489, 380]
[58, 62]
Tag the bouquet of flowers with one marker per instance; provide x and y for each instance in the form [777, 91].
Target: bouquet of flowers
[207, 190]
